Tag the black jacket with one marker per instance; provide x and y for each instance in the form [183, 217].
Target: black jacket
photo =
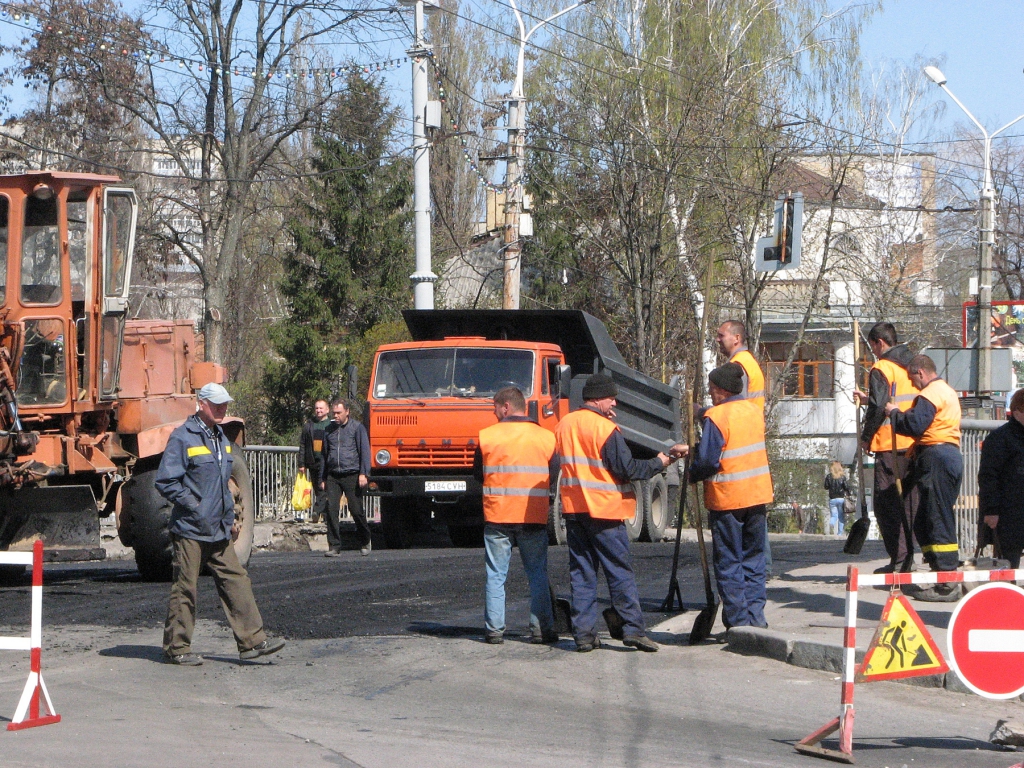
[878, 392]
[837, 487]
[346, 449]
[309, 456]
[1000, 479]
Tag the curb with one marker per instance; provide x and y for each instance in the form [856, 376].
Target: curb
[811, 654]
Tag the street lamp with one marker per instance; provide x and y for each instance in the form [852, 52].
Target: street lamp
[512, 263]
[986, 239]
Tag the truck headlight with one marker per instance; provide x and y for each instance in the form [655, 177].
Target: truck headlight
[383, 457]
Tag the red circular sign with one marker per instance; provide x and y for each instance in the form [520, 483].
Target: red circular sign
[985, 640]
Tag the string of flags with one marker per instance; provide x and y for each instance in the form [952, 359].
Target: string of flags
[152, 56]
[442, 96]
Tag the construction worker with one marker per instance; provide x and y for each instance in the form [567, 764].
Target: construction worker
[732, 341]
[936, 470]
[515, 462]
[597, 497]
[733, 463]
[895, 515]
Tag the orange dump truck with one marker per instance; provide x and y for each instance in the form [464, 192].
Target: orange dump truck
[87, 396]
[430, 397]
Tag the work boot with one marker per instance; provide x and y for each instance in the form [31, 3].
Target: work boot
[938, 593]
[641, 643]
[495, 638]
[265, 648]
[333, 552]
[586, 646]
[183, 659]
[367, 549]
[543, 638]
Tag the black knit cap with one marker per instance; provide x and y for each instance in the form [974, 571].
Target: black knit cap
[600, 386]
[728, 377]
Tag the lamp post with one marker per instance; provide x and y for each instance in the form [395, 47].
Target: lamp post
[513, 248]
[986, 239]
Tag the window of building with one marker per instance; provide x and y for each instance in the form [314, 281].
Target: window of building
[812, 373]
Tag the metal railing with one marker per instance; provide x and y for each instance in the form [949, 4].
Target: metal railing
[273, 469]
[972, 434]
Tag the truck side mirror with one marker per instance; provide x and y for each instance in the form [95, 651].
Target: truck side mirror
[564, 380]
[353, 382]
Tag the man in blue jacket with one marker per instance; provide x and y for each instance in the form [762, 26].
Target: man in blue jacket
[193, 476]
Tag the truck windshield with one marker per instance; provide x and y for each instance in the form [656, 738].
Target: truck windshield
[452, 372]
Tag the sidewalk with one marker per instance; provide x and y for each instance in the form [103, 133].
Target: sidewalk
[806, 616]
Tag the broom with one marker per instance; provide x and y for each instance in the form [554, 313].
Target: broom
[859, 530]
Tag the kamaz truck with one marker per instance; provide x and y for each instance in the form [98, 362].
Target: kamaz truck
[430, 397]
[88, 397]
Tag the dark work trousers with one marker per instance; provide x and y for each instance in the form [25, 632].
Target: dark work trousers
[595, 542]
[936, 472]
[738, 545]
[349, 485]
[318, 510]
[895, 515]
[233, 586]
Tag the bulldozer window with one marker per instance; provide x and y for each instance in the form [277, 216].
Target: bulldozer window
[42, 378]
[78, 243]
[118, 240]
[40, 253]
[5, 208]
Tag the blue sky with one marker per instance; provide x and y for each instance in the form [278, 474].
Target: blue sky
[981, 42]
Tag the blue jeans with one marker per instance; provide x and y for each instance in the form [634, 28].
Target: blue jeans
[601, 542]
[738, 538]
[838, 512]
[532, 541]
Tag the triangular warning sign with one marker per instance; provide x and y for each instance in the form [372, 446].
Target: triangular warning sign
[901, 646]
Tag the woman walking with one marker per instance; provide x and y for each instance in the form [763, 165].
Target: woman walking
[835, 484]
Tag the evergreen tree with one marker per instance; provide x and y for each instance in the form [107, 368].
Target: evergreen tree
[350, 267]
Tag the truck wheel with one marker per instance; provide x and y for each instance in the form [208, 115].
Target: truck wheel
[466, 536]
[147, 514]
[656, 509]
[635, 525]
[394, 524]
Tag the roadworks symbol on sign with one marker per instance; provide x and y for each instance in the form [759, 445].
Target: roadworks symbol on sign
[901, 646]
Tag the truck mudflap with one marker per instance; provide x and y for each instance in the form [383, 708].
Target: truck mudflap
[64, 517]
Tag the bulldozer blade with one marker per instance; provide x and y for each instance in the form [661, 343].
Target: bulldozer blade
[64, 517]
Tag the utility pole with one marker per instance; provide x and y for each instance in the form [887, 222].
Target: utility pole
[511, 236]
[423, 278]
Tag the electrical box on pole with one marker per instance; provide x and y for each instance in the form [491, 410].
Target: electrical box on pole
[781, 251]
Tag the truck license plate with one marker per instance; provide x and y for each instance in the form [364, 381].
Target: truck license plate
[444, 485]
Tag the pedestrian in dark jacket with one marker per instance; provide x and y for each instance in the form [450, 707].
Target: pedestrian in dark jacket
[311, 456]
[837, 487]
[1000, 478]
[346, 469]
[193, 475]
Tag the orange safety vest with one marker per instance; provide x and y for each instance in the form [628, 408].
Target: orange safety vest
[906, 392]
[755, 379]
[516, 476]
[586, 485]
[743, 479]
[945, 427]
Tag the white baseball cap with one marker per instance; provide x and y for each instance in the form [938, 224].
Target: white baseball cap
[214, 393]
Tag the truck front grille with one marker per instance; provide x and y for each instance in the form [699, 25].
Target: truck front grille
[398, 421]
[435, 456]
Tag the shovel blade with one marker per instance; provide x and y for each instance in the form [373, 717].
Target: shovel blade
[703, 624]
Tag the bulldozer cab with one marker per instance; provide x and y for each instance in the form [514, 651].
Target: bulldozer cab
[66, 243]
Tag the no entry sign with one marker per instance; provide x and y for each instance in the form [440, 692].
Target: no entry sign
[985, 641]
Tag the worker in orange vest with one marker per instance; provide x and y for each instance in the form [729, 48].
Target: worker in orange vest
[895, 514]
[936, 470]
[516, 465]
[732, 341]
[597, 497]
[732, 460]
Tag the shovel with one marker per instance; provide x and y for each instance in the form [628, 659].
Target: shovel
[669, 605]
[706, 618]
[859, 530]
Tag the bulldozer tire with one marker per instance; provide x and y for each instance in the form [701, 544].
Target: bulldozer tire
[245, 508]
[395, 524]
[556, 523]
[635, 525]
[657, 512]
[147, 516]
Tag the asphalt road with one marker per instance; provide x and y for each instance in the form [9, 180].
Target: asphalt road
[304, 595]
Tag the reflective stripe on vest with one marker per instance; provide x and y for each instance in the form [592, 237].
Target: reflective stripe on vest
[906, 392]
[587, 487]
[945, 427]
[755, 378]
[744, 478]
[517, 482]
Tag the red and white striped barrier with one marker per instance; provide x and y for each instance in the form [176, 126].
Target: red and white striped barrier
[810, 745]
[35, 688]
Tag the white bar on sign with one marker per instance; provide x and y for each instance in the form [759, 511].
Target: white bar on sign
[995, 640]
[15, 558]
[15, 644]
